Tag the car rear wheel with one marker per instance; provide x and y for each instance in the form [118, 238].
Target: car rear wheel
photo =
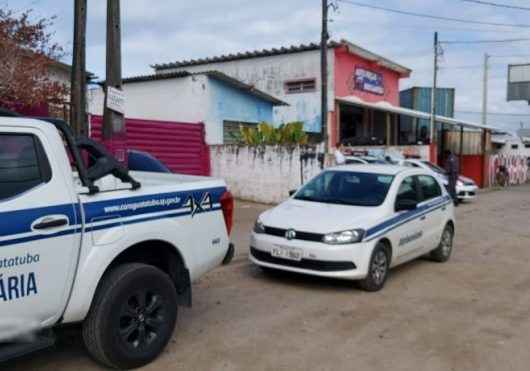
[378, 269]
[445, 247]
[132, 317]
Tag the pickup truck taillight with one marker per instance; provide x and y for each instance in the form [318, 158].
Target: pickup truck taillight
[227, 205]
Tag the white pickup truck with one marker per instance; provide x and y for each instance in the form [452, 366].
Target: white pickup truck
[84, 241]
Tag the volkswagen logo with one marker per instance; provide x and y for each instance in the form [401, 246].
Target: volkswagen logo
[290, 234]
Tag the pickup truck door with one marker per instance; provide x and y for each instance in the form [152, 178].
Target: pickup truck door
[39, 231]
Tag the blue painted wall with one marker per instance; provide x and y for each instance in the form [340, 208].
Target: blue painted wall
[231, 104]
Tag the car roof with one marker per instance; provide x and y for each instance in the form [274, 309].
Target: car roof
[372, 169]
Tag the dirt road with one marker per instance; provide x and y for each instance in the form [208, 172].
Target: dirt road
[472, 313]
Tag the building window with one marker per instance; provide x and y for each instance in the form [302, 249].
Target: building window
[515, 146]
[232, 131]
[301, 86]
[527, 145]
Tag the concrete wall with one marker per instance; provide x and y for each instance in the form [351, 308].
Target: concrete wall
[261, 174]
[230, 104]
[195, 99]
[270, 75]
[184, 99]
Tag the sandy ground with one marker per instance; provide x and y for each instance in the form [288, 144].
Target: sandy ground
[472, 313]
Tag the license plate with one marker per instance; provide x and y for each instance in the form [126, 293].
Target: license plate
[289, 253]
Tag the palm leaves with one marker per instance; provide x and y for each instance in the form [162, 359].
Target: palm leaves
[266, 134]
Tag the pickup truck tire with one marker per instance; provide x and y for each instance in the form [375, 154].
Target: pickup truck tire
[132, 316]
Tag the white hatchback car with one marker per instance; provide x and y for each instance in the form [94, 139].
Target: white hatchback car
[355, 222]
[466, 188]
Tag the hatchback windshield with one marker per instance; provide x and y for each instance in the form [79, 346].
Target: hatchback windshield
[347, 188]
[435, 168]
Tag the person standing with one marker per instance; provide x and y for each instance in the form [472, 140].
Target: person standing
[339, 156]
[452, 168]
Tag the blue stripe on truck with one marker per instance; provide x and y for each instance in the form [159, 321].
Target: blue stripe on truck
[18, 222]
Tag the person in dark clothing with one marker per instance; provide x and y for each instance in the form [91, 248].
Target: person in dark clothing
[451, 166]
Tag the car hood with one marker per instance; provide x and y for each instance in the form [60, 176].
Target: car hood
[465, 179]
[319, 217]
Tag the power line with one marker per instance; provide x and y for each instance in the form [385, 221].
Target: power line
[511, 56]
[431, 16]
[490, 3]
[496, 113]
[430, 28]
[484, 41]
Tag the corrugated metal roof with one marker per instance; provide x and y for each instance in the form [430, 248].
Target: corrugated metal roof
[354, 49]
[386, 106]
[250, 89]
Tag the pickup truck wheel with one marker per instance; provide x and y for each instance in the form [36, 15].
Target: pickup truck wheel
[132, 317]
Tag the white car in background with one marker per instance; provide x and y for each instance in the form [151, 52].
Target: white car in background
[466, 188]
[355, 222]
[364, 160]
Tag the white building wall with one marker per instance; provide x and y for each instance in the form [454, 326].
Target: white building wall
[184, 99]
[270, 75]
[261, 174]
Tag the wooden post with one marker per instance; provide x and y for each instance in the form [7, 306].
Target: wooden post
[324, 74]
[388, 128]
[483, 160]
[113, 122]
[461, 151]
[337, 121]
[78, 73]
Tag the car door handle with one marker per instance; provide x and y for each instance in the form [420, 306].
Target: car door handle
[49, 223]
[423, 218]
[444, 208]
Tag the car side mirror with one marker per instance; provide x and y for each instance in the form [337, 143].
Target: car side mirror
[406, 205]
[292, 192]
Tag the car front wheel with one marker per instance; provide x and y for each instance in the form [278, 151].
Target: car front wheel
[132, 317]
[378, 269]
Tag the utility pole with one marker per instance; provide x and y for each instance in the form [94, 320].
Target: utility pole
[433, 92]
[485, 90]
[78, 73]
[113, 119]
[324, 73]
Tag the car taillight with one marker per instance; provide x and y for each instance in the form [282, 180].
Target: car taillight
[227, 205]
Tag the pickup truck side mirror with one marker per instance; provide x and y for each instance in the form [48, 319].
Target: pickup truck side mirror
[292, 192]
[406, 204]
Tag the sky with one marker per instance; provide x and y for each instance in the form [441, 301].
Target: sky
[159, 31]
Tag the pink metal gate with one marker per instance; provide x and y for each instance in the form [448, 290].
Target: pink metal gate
[180, 146]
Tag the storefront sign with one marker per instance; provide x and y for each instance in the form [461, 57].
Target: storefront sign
[368, 81]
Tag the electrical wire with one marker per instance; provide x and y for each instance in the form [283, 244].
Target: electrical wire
[490, 3]
[496, 113]
[431, 16]
[484, 41]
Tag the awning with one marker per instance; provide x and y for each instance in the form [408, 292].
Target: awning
[388, 107]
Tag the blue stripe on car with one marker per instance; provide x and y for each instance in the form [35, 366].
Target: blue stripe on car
[406, 217]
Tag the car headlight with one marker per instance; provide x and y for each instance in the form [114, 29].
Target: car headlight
[259, 227]
[344, 237]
